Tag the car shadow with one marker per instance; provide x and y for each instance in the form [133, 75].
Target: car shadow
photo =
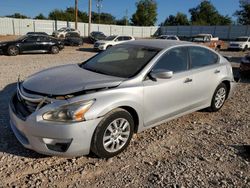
[8, 142]
[243, 151]
[87, 50]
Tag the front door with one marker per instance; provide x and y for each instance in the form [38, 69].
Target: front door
[165, 98]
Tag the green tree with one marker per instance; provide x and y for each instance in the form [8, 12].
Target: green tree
[57, 15]
[123, 21]
[243, 14]
[146, 13]
[68, 15]
[206, 14]
[178, 19]
[105, 18]
[40, 17]
[17, 15]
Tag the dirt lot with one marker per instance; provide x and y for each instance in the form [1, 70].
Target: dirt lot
[198, 150]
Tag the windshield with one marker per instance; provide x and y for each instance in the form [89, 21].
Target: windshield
[241, 39]
[198, 39]
[62, 29]
[110, 38]
[22, 37]
[121, 61]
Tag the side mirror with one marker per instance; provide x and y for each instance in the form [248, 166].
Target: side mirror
[161, 73]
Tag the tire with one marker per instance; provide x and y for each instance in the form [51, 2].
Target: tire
[245, 48]
[116, 138]
[54, 50]
[109, 46]
[219, 98]
[217, 49]
[13, 51]
[61, 36]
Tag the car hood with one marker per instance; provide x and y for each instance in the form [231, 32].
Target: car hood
[237, 42]
[68, 79]
[104, 41]
[7, 42]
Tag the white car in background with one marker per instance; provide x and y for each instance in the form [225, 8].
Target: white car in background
[112, 41]
[61, 33]
[241, 43]
[168, 37]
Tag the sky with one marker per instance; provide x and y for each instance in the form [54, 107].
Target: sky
[117, 8]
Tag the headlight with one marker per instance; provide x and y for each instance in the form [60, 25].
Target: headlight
[1, 45]
[69, 113]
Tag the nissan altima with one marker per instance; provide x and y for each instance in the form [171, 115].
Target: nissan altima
[99, 104]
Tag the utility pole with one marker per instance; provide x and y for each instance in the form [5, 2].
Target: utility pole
[99, 6]
[126, 17]
[76, 13]
[90, 7]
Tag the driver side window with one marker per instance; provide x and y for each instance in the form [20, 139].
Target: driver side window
[175, 60]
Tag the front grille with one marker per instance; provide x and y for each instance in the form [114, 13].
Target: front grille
[234, 45]
[24, 105]
[96, 45]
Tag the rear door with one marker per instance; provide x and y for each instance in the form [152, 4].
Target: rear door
[206, 72]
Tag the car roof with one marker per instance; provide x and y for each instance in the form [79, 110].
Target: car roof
[160, 44]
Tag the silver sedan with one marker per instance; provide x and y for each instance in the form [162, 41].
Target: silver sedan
[99, 104]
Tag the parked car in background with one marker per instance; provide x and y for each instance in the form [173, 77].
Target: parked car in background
[245, 66]
[98, 105]
[96, 35]
[112, 41]
[73, 39]
[32, 44]
[37, 33]
[61, 33]
[208, 40]
[241, 43]
[168, 37]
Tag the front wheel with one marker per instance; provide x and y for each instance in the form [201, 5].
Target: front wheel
[113, 134]
[54, 50]
[245, 48]
[12, 51]
[219, 97]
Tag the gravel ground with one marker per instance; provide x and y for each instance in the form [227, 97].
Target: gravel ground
[201, 149]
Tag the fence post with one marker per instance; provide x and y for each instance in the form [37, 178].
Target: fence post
[110, 30]
[13, 25]
[34, 26]
[229, 32]
[191, 31]
[141, 32]
[214, 30]
[247, 30]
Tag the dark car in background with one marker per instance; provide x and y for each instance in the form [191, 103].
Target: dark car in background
[32, 44]
[37, 33]
[96, 35]
[245, 66]
[73, 39]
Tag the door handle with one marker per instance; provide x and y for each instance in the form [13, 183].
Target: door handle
[188, 80]
[217, 71]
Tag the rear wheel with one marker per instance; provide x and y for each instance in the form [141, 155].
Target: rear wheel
[54, 50]
[219, 97]
[113, 134]
[13, 51]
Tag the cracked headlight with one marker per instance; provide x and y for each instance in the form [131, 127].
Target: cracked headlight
[69, 113]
